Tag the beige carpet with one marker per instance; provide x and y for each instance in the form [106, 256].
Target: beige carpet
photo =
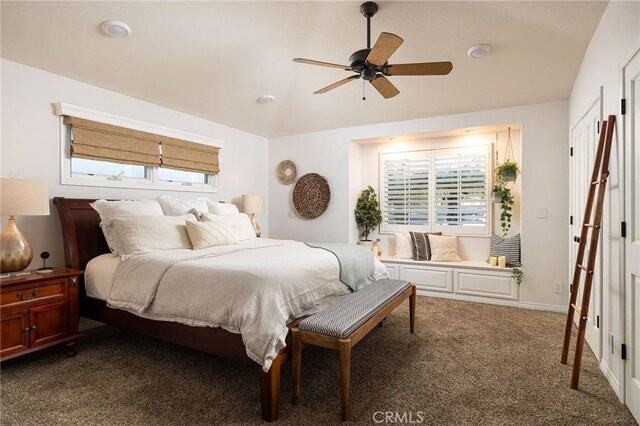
[467, 364]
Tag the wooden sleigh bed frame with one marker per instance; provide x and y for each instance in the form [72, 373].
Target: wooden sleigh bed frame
[84, 240]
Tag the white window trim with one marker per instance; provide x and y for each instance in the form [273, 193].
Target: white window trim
[484, 231]
[151, 182]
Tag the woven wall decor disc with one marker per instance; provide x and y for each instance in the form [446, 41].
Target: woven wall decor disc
[311, 195]
[287, 172]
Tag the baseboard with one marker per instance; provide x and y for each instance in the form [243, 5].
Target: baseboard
[512, 303]
[612, 380]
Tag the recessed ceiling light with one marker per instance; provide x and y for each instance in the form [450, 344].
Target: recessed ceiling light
[266, 99]
[468, 131]
[479, 51]
[116, 29]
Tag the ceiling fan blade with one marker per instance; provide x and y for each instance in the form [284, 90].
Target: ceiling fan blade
[385, 46]
[322, 64]
[425, 68]
[336, 84]
[385, 87]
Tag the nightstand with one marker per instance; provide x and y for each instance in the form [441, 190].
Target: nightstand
[38, 311]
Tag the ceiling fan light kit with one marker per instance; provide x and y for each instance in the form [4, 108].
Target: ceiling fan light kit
[371, 64]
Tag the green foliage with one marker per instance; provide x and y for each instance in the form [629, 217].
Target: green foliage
[517, 274]
[506, 207]
[367, 212]
[508, 171]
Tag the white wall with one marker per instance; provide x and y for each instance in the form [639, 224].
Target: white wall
[30, 146]
[469, 248]
[615, 39]
[544, 183]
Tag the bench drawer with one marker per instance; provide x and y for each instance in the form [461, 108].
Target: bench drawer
[432, 279]
[488, 284]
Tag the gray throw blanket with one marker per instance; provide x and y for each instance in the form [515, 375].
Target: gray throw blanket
[356, 263]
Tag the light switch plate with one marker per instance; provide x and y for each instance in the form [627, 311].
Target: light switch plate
[541, 212]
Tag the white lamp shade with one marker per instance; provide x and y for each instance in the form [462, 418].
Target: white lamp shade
[253, 203]
[22, 197]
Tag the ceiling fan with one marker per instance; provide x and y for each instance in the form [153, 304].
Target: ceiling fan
[371, 63]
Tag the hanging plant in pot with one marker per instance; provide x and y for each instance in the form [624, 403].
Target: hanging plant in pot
[496, 194]
[508, 171]
[368, 215]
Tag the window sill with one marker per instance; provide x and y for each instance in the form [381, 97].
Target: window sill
[129, 184]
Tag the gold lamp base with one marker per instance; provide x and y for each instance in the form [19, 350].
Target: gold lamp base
[16, 252]
[254, 222]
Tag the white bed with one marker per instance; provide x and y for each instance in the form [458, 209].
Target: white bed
[279, 280]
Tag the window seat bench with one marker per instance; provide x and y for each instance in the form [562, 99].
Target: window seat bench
[464, 280]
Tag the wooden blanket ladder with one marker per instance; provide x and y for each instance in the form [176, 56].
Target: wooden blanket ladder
[592, 230]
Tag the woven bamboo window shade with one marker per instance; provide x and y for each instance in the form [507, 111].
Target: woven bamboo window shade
[98, 141]
[105, 142]
[189, 156]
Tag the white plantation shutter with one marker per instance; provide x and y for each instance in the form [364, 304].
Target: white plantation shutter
[461, 190]
[405, 191]
[436, 190]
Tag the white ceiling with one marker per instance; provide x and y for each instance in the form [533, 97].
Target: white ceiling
[214, 59]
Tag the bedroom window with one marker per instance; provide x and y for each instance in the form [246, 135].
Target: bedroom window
[436, 190]
[99, 154]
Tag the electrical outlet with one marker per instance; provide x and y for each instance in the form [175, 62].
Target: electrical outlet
[557, 286]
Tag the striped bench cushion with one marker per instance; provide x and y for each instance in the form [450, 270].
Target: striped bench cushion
[353, 310]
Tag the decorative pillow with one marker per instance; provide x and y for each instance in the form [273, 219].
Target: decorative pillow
[210, 234]
[404, 246]
[128, 236]
[217, 207]
[444, 248]
[239, 223]
[174, 207]
[421, 250]
[110, 209]
[507, 247]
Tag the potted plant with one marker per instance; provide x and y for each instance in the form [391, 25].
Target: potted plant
[496, 193]
[368, 214]
[508, 171]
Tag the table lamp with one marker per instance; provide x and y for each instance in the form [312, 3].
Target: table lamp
[253, 204]
[19, 197]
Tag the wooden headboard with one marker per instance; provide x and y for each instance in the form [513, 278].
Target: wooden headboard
[83, 238]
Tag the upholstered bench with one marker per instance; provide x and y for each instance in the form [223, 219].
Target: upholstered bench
[341, 326]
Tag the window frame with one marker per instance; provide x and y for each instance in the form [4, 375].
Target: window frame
[151, 182]
[432, 226]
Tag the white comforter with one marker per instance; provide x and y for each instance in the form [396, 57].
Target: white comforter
[253, 288]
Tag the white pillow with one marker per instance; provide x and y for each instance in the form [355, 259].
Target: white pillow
[216, 207]
[239, 223]
[110, 209]
[404, 246]
[444, 248]
[175, 207]
[210, 234]
[128, 236]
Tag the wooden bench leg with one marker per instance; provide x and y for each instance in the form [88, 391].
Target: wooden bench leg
[344, 352]
[270, 390]
[412, 310]
[296, 353]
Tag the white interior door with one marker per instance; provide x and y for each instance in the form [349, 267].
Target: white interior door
[631, 121]
[584, 138]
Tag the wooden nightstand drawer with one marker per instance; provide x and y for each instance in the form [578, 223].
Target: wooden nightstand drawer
[45, 290]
